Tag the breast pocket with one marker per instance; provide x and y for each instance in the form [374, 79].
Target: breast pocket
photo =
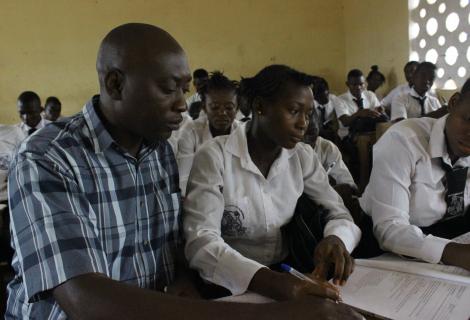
[236, 218]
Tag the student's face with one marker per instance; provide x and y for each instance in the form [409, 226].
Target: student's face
[356, 85]
[221, 108]
[322, 97]
[153, 97]
[30, 112]
[423, 80]
[458, 126]
[409, 70]
[199, 83]
[285, 120]
[374, 82]
[52, 111]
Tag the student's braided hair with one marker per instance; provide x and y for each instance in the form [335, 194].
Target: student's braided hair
[270, 82]
[375, 70]
[217, 81]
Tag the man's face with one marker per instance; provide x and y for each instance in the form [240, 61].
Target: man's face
[423, 80]
[199, 83]
[458, 127]
[30, 112]
[356, 85]
[374, 82]
[322, 97]
[52, 111]
[221, 108]
[153, 97]
[409, 71]
[286, 119]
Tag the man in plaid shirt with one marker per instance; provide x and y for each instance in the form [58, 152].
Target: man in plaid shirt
[95, 202]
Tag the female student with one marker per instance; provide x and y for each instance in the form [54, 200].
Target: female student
[244, 187]
[219, 99]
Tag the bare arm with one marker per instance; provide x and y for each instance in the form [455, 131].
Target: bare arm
[94, 296]
[442, 111]
[363, 113]
[457, 254]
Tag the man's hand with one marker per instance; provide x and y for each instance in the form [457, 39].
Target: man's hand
[368, 113]
[331, 252]
[457, 254]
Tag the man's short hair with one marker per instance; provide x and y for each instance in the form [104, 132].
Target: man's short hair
[200, 73]
[410, 63]
[355, 73]
[53, 100]
[29, 96]
[425, 65]
[466, 87]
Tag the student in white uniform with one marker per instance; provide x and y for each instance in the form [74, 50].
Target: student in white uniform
[244, 188]
[52, 109]
[375, 79]
[419, 191]
[200, 77]
[408, 70]
[219, 100]
[325, 103]
[418, 102]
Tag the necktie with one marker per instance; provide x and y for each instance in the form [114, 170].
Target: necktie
[421, 101]
[360, 103]
[31, 131]
[322, 114]
[456, 179]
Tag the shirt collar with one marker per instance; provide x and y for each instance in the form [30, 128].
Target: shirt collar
[40, 125]
[413, 93]
[352, 98]
[98, 133]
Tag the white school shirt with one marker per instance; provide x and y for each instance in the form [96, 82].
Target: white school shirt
[349, 107]
[387, 101]
[405, 106]
[175, 135]
[193, 98]
[10, 138]
[406, 188]
[331, 159]
[233, 215]
[192, 136]
[329, 107]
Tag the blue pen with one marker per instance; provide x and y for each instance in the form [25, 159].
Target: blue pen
[297, 274]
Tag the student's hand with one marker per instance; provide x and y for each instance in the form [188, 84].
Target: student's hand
[331, 253]
[284, 286]
[380, 109]
[457, 254]
[368, 113]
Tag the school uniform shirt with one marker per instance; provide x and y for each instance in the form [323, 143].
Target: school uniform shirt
[329, 108]
[332, 161]
[10, 138]
[233, 214]
[407, 189]
[387, 101]
[175, 135]
[349, 107]
[405, 105]
[192, 137]
[193, 98]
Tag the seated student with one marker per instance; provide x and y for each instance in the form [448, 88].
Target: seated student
[408, 70]
[200, 77]
[419, 190]
[358, 115]
[375, 79]
[52, 109]
[195, 109]
[243, 106]
[244, 188]
[325, 103]
[176, 134]
[418, 102]
[220, 105]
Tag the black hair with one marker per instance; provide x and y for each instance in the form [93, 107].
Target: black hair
[319, 86]
[354, 73]
[53, 100]
[374, 70]
[29, 96]
[466, 87]
[425, 65]
[200, 73]
[217, 81]
[270, 82]
[410, 63]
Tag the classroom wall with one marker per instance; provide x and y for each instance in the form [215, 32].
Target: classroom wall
[49, 46]
[376, 32]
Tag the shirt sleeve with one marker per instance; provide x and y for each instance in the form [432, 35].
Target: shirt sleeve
[341, 108]
[52, 233]
[185, 157]
[398, 109]
[374, 101]
[388, 199]
[205, 249]
[339, 171]
[317, 187]
[387, 101]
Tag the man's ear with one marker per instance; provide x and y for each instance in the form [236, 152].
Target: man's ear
[453, 101]
[114, 83]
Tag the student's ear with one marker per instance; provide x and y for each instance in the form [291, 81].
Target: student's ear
[114, 83]
[453, 101]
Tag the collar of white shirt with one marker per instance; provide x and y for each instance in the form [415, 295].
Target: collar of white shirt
[352, 98]
[437, 147]
[413, 93]
[237, 145]
[25, 127]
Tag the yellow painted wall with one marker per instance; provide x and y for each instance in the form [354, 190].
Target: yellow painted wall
[49, 46]
[376, 32]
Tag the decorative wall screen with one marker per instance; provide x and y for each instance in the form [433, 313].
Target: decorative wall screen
[440, 33]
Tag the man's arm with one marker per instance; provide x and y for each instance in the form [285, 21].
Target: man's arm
[347, 120]
[93, 296]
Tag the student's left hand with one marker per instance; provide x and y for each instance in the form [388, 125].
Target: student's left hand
[331, 253]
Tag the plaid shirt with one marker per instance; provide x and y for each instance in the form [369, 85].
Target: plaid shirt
[80, 204]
